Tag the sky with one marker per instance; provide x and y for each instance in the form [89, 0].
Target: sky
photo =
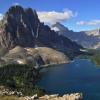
[77, 15]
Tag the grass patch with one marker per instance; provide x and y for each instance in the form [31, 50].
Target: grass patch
[9, 98]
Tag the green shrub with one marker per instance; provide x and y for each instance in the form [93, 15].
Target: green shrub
[96, 59]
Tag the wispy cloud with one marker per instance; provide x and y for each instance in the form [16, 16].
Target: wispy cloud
[16, 3]
[53, 16]
[1, 16]
[90, 23]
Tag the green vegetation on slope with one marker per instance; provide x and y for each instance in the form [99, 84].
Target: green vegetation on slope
[94, 55]
[21, 78]
[96, 58]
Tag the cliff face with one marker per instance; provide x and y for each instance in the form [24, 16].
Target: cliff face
[22, 27]
[16, 29]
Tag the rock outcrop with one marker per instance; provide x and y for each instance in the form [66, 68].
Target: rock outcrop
[4, 91]
[15, 28]
[73, 96]
[34, 56]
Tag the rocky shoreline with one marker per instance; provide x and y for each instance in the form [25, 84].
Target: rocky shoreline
[6, 92]
[73, 96]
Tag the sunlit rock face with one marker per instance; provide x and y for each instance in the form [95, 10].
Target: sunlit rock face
[34, 56]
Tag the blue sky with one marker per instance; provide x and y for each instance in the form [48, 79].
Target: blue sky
[85, 14]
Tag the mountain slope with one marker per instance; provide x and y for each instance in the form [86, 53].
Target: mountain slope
[34, 56]
[88, 39]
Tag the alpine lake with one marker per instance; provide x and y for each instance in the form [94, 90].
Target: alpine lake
[80, 75]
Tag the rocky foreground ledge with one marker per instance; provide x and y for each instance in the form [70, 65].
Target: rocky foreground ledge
[73, 96]
[8, 94]
[19, 96]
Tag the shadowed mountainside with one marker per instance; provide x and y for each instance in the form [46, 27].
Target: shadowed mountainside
[88, 39]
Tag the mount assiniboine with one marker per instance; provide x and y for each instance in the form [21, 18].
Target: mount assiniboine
[25, 37]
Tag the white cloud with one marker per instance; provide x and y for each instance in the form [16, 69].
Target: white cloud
[16, 3]
[1, 16]
[53, 16]
[90, 23]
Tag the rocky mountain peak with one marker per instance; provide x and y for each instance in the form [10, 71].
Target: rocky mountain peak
[94, 33]
[15, 9]
[58, 26]
[17, 27]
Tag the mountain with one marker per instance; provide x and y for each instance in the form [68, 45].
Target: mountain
[16, 27]
[88, 39]
[21, 27]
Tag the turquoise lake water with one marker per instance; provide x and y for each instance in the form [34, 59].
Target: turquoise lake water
[78, 76]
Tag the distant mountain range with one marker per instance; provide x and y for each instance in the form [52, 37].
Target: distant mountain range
[88, 39]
